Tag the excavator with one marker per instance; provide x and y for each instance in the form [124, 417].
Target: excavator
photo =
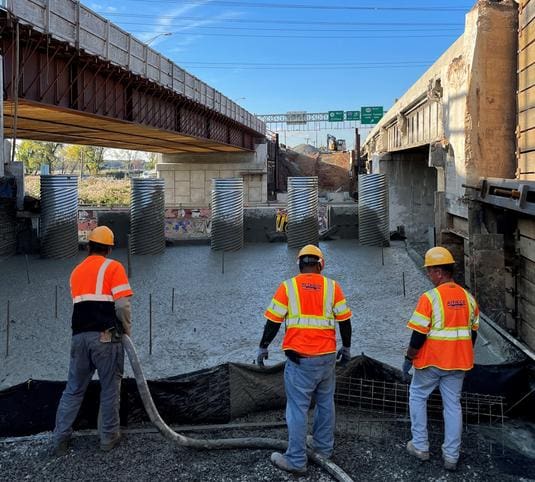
[334, 144]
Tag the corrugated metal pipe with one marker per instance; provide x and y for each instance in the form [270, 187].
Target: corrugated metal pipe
[374, 222]
[59, 216]
[227, 214]
[147, 225]
[303, 227]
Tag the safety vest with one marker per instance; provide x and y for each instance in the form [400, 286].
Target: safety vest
[310, 304]
[95, 284]
[447, 314]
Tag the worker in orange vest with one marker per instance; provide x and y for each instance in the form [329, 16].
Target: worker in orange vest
[101, 314]
[311, 305]
[444, 330]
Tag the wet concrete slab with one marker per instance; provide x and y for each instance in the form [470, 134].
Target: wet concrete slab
[218, 310]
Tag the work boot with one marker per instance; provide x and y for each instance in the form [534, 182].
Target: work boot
[110, 444]
[419, 454]
[450, 464]
[281, 462]
[61, 448]
[310, 445]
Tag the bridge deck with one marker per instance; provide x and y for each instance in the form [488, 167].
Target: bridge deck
[70, 75]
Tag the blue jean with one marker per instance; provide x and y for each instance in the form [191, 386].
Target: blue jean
[450, 383]
[313, 377]
[88, 354]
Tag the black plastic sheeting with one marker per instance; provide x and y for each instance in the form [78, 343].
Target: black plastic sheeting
[222, 393]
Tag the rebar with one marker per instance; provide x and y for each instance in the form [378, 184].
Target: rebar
[393, 398]
[303, 226]
[227, 215]
[374, 222]
[147, 222]
[59, 216]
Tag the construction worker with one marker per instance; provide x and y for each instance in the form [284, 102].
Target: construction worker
[310, 304]
[101, 313]
[444, 325]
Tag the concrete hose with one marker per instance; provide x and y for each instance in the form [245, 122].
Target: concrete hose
[213, 444]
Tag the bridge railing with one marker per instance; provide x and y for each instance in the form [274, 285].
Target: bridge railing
[76, 24]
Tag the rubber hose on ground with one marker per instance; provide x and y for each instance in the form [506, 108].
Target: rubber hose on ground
[213, 444]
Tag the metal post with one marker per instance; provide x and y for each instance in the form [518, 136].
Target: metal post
[56, 303]
[7, 330]
[173, 301]
[404, 292]
[150, 324]
[27, 268]
[129, 257]
[382, 255]
[223, 262]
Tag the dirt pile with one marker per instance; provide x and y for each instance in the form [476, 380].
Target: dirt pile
[332, 168]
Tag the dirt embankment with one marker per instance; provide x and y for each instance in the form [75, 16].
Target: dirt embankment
[331, 168]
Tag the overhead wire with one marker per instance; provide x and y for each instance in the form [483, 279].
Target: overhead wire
[341, 37]
[300, 6]
[277, 21]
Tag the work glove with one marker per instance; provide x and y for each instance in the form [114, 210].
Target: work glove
[262, 355]
[405, 368]
[343, 357]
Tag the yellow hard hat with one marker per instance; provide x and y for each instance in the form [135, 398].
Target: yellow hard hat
[310, 250]
[102, 235]
[437, 256]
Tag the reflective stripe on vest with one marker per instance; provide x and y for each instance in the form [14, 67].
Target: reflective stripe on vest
[295, 318]
[99, 286]
[438, 329]
[78, 299]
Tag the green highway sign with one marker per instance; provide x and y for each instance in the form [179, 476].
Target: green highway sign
[336, 116]
[371, 115]
[353, 115]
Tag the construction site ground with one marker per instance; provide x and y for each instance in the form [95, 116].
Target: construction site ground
[218, 317]
[367, 448]
[218, 308]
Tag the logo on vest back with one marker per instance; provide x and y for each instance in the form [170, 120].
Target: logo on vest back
[456, 304]
[310, 287]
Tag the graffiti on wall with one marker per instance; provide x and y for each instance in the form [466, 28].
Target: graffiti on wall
[87, 221]
[188, 223]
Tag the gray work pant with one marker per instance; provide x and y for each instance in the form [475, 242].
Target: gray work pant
[88, 354]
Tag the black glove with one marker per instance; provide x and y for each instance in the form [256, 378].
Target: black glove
[262, 355]
[405, 369]
[343, 357]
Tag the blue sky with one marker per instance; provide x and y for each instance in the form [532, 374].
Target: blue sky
[274, 56]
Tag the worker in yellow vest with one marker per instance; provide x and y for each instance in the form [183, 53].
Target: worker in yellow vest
[444, 330]
[311, 305]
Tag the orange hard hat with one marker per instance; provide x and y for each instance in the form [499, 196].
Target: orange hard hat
[102, 235]
[310, 250]
[438, 256]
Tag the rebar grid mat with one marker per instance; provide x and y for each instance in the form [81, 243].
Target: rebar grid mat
[487, 439]
[392, 398]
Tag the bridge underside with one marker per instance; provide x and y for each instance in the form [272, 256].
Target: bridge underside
[54, 124]
[54, 92]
